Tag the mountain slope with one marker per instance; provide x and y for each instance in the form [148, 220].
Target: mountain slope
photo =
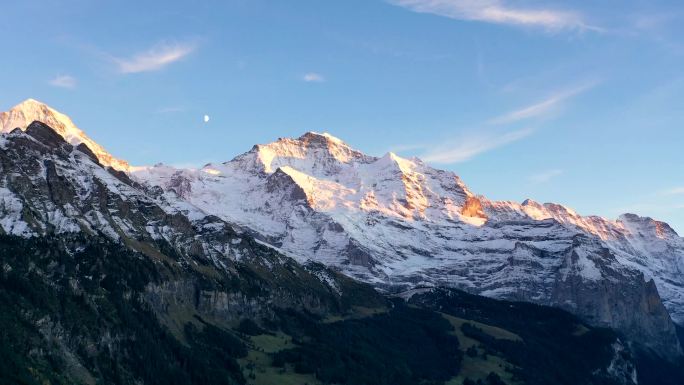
[399, 223]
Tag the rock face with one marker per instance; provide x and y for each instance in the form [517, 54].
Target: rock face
[398, 223]
[644, 244]
[620, 299]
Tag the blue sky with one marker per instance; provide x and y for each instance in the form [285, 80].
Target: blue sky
[580, 102]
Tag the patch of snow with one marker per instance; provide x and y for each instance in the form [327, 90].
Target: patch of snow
[11, 214]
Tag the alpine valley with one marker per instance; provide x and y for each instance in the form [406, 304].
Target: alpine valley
[305, 261]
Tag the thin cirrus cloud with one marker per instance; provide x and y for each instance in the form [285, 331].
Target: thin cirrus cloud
[313, 77]
[499, 12]
[155, 58]
[545, 176]
[63, 81]
[674, 191]
[471, 145]
[544, 107]
[468, 146]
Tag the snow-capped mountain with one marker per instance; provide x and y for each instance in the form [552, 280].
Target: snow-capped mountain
[50, 187]
[24, 113]
[399, 223]
[394, 222]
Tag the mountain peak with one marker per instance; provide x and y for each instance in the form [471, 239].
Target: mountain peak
[644, 226]
[312, 152]
[315, 140]
[30, 102]
[317, 136]
[31, 110]
[325, 143]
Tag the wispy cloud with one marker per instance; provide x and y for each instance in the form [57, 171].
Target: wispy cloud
[492, 135]
[469, 146]
[499, 12]
[543, 107]
[63, 81]
[674, 191]
[545, 176]
[155, 58]
[661, 27]
[313, 77]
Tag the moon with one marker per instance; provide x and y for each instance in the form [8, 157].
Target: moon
[206, 118]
